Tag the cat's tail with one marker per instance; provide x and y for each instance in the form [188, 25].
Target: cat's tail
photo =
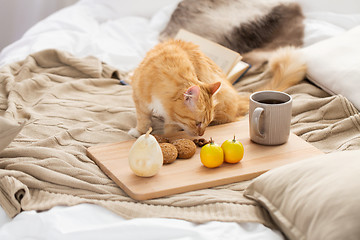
[287, 67]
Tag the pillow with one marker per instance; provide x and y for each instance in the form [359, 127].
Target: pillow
[334, 64]
[317, 198]
[8, 131]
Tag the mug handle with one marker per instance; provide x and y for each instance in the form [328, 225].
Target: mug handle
[255, 120]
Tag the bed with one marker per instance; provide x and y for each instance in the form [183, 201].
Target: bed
[61, 94]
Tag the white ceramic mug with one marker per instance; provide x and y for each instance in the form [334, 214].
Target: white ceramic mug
[270, 117]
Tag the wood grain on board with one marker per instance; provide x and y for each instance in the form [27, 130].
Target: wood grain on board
[189, 174]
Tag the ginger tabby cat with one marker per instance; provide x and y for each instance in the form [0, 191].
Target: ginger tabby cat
[178, 82]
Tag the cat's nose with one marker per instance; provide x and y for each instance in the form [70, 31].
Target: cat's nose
[201, 131]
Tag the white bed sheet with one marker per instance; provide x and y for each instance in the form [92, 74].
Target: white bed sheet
[120, 32]
[86, 221]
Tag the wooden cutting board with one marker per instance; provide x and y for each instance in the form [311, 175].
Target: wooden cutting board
[189, 174]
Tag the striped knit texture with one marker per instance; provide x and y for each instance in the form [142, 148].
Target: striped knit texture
[70, 104]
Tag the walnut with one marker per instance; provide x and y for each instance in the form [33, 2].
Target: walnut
[186, 148]
[169, 151]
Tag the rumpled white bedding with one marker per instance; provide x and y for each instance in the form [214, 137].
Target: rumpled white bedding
[89, 222]
[119, 33]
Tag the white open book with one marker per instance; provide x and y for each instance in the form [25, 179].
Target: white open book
[228, 60]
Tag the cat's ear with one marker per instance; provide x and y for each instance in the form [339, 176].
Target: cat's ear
[214, 87]
[191, 96]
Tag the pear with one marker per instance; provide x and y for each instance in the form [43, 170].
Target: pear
[145, 156]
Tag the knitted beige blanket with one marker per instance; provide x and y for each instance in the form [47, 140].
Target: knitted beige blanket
[69, 104]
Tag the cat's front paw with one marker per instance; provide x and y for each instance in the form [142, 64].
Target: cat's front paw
[134, 132]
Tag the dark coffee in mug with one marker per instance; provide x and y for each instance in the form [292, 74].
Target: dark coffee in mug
[271, 101]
